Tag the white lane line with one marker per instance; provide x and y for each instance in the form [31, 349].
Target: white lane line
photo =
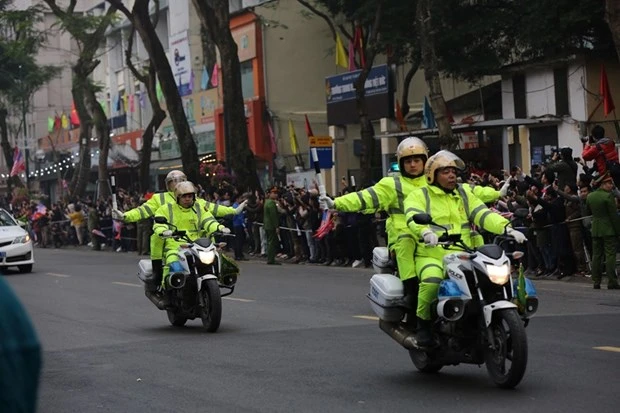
[53, 274]
[367, 317]
[608, 348]
[126, 284]
[243, 300]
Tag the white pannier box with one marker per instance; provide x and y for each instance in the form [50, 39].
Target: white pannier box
[381, 261]
[386, 291]
[145, 270]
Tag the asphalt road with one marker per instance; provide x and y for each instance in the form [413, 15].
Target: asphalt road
[293, 338]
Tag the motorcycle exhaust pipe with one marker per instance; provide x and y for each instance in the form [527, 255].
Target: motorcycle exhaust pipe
[156, 299]
[176, 280]
[399, 333]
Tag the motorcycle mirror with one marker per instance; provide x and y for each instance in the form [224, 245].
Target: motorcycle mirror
[422, 219]
[161, 220]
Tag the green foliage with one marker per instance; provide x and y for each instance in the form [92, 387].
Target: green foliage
[20, 41]
[477, 38]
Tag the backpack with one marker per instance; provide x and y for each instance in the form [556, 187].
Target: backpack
[613, 167]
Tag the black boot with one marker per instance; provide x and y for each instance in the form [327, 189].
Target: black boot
[158, 271]
[424, 335]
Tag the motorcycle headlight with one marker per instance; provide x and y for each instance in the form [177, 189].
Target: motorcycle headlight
[206, 257]
[21, 240]
[499, 274]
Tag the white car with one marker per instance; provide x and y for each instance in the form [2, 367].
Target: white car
[16, 247]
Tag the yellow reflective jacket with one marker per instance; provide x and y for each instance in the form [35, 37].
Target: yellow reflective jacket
[456, 211]
[388, 195]
[148, 209]
[486, 194]
[195, 221]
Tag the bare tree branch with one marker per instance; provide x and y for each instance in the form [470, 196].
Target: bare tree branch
[322, 15]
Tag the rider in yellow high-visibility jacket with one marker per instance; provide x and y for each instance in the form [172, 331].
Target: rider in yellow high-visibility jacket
[185, 214]
[147, 210]
[389, 195]
[455, 207]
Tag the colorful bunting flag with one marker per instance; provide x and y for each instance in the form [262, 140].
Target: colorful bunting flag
[341, 55]
[204, 79]
[292, 138]
[608, 102]
[64, 121]
[309, 132]
[131, 104]
[428, 118]
[215, 76]
[190, 86]
[158, 91]
[50, 124]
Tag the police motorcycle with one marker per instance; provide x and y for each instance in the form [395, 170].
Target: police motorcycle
[196, 283]
[480, 314]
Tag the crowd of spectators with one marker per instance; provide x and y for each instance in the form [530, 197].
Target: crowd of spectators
[557, 224]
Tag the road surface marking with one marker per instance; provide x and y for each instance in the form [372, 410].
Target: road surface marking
[243, 300]
[53, 274]
[367, 317]
[126, 284]
[608, 348]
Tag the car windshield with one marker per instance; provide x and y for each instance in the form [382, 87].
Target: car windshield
[6, 220]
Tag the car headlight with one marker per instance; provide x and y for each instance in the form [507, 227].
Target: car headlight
[206, 257]
[22, 240]
[498, 274]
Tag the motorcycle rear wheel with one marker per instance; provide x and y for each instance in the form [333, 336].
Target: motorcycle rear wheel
[507, 362]
[211, 313]
[175, 319]
[423, 362]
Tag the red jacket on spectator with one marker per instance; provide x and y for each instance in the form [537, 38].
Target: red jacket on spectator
[592, 152]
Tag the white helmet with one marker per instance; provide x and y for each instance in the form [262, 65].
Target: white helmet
[411, 146]
[442, 159]
[184, 188]
[173, 178]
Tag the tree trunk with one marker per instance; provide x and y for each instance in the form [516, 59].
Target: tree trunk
[147, 138]
[367, 150]
[149, 80]
[431, 75]
[612, 17]
[209, 52]
[7, 151]
[82, 173]
[102, 131]
[215, 17]
[141, 20]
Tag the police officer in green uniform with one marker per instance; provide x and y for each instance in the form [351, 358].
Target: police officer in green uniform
[147, 209]
[185, 214]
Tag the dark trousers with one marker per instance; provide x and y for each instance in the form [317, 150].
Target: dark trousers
[272, 244]
[239, 242]
[604, 248]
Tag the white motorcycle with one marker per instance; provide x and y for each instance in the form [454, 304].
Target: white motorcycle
[480, 314]
[194, 284]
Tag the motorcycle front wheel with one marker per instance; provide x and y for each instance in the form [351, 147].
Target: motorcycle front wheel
[175, 319]
[507, 360]
[211, 313]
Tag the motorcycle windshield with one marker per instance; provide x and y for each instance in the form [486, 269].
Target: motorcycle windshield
[203, 242]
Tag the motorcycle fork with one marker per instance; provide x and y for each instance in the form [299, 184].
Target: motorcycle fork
[483, 327]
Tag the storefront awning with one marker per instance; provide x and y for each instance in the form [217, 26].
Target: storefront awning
[166, 165]
[474, 126]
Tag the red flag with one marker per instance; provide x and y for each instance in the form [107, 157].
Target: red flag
[215, 76]
[309, 132]
[400, 118]
[608, 102]
[75, 119]
[358, 45]
[57, 123]
[272, 138]
[19, 164]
